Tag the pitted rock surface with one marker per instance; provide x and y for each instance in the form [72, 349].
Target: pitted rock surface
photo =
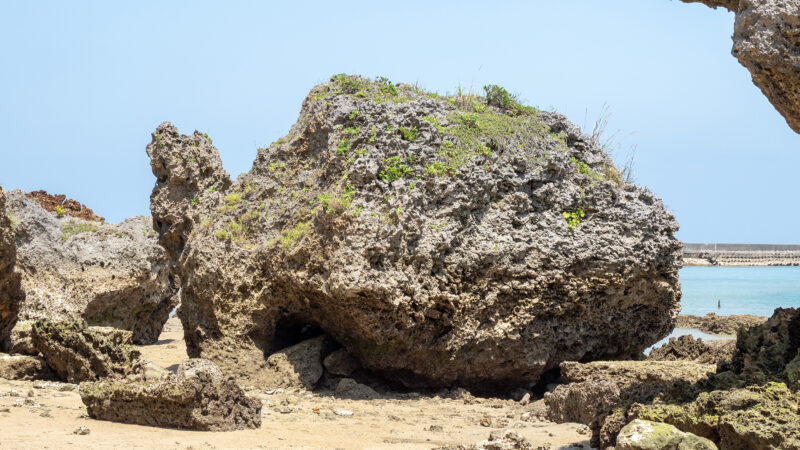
[766, 40]
[770, 351]
[11, 294]
[438, 244]
[79, 353]
[600, 393]
[106, 274]
[719, 325]
[198, 397]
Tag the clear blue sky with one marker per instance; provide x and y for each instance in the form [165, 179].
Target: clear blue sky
[85, 83]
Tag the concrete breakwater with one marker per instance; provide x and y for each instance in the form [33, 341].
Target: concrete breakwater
[740, 255]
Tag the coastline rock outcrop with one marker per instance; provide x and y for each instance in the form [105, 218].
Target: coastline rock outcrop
[78, 353]
[439, 240]
[719, 325]
[770, 351]
[198, 397]
[11, 294]
[600, 393]
[74, 269]
[766, 40]
[687, 348]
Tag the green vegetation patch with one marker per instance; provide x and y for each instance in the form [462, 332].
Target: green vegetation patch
[395, 169]
[71, 229]
[573, 218]
[291, 235]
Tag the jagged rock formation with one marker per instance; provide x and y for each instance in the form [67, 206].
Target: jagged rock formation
[766, 40]
[599, 393]
[646, 435]
[439, 240]
[752, 418]
[770, 351]
[687, 348]
[719, 325]
[198, 397]
[10, 290]
[78, 353]
[62, 205]
[75, 269]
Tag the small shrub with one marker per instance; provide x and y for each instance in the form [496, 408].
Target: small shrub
[353, 114]
[573, 218]
[409, 134]
[60, 211]
[394, 170]
[232, 199]
[195, 201]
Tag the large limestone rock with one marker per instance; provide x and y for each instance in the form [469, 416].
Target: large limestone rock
[10, 291]
[438, 240]
[76, 269]
[766, 40]
[198, 397]
[647, 435]
[600, 393]
[78, 353]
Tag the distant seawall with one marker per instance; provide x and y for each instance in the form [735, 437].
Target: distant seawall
[740, 255]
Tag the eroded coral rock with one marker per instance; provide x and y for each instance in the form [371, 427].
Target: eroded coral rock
[766, 40]
[437, 243]
[78, 353]
[500, 440]
[600, 393]
[647, 435]
[770, 351]
[687, 348]
[22, 367]
[10, 290]
[106, 274]
[756, 417]
[198, 397]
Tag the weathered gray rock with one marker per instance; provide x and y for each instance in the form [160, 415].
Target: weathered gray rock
[600, 393]
[437, 243]
[22, 367]
[298, 366]
[766, 40]
[78, 353]
[350, 388]
[73, 269]
[647, 435]
[687, 348]
[10, 290]
[198, 397]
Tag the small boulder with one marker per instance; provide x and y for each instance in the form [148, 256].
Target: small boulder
[150, 371]
[350, 388]
[22, 367]
[298, 366]
[646, 435]
[341, 363]
[198, 397]
[78, 353]
[500, 440]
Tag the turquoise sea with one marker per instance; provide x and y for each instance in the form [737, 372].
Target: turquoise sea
[739, 290]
